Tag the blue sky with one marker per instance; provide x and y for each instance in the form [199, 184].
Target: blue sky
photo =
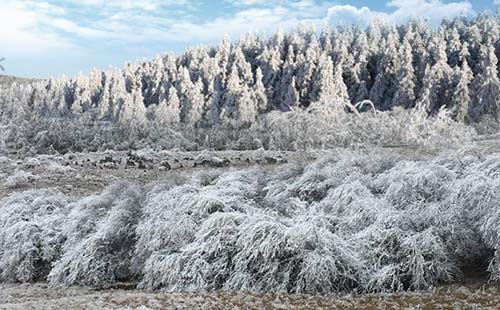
[43, 38]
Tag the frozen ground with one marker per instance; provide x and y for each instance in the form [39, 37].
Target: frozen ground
[40, 296]
[82, 173]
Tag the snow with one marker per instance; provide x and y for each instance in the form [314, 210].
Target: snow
[40, 296]
[20, 178]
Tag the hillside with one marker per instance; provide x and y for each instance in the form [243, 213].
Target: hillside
[8, 80]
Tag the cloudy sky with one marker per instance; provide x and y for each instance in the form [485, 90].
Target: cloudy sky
[54, 37]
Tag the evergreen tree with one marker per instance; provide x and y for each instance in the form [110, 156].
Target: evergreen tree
[486, 85]
[386, 80]
[291, 101]
[259, 93]
[460, 102]
[168, 110]
[405, 96]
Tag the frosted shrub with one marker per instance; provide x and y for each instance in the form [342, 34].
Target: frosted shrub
[166, 225]
[31, 234]
[345, 223]
[203, 264]
[5, 160]
[100, 238]
[19, 179]
[412, 183]
[353, 207]
[56, 167]
[318, 128]
[172, 217]
[425, 261]
[325, 261]
[348, 222]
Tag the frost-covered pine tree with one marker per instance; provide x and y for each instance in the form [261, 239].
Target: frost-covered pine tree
[405, 96]
[386, 79]
[424, 100]
[192, 98]
[168, 110]
[486, 85]
[330, 88]
[440, 76]
[270, 63]
[244, 68]
[259, 93]
[239, 108]
[291, 101]
[460, 102]
[82, 96]
[453, 47]
[362, 80]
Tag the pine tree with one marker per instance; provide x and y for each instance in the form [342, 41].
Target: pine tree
[117, 95]
[133, 111]
[270, 62]
[288, 73]
[362, 79]
[424, 99]
[259, 93]
[460, 102]
[168, 110]
[244, 68]
[291, 100]
[386, 80]
[441, 73]
[405, 96]
[454, 48]
[330, 88]
[82, 98]
[486, 85]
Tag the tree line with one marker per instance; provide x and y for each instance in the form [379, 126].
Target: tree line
[232, 85]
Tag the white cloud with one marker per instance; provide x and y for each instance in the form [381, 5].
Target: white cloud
[248, 2]
[136, 21]
[22, 32]
[37, 27]
[146, 5]
[348, 14]
[434, 10]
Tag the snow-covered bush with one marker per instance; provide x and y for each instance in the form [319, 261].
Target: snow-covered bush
[56, 167]
[31, 236]
[100, 237]
[348, 222]
[172, 217]
[20, 178]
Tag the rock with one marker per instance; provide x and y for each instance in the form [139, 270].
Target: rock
[166, 165]
[107, 159]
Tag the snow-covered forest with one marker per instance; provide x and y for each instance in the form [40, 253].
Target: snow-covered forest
[256, 91]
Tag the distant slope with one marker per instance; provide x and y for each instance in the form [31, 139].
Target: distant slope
[9, 79]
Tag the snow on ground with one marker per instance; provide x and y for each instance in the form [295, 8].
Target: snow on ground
[40, 296]
[81, 174]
